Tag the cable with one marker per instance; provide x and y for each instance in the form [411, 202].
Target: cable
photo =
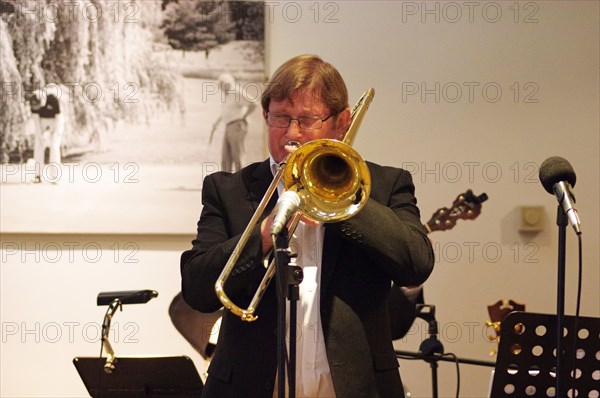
[453, 356]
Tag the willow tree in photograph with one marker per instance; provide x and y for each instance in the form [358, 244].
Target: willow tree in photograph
[108, 61]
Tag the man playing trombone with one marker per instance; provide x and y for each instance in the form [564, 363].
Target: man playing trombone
[344, 345]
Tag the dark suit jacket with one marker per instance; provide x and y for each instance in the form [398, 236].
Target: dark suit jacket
[385, 241]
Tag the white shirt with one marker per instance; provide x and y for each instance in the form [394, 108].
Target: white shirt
[313, 377]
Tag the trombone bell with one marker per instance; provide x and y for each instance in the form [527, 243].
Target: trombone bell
[331, 178]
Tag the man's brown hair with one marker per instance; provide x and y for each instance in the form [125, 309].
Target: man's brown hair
[307, 72]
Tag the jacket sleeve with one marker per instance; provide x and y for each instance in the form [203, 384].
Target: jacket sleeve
[389, 229]
[214, 244]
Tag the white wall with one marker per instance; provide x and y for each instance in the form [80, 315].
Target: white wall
[484, 140]
[49, 313]
[481, 140]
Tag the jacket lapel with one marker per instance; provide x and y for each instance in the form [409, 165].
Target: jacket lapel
[257, 184]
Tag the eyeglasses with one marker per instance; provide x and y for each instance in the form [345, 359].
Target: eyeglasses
[304, 122]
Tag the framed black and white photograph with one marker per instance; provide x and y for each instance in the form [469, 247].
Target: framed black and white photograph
[113, 112]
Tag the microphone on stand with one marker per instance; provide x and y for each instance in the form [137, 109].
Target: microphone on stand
[287, 204]
[558, 178]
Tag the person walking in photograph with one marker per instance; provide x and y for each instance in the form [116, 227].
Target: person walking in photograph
[235, 108]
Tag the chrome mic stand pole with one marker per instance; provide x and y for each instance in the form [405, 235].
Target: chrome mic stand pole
[561, 221]
[289, 276]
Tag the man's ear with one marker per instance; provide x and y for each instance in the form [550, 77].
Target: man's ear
[343, 122]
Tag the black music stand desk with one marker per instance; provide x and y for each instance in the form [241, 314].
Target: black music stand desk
[526, 364]
[140, 377]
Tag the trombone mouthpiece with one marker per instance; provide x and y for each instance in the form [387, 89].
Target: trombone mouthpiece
[294, 143]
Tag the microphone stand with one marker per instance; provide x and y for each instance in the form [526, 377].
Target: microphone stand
[431, 349]
[561, 222]
[289, 276]
[432, 345]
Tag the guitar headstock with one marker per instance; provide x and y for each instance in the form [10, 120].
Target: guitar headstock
[466, 206]
[498, 312]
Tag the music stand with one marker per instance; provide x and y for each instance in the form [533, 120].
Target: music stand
[526, 363]
[140, 377]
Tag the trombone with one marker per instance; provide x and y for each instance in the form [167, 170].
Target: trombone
[333, 183]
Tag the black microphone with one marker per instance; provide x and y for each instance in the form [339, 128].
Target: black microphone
[558, 178]
[126, 297]
[287, 204]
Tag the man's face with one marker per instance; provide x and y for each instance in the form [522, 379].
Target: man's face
[303, 103]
